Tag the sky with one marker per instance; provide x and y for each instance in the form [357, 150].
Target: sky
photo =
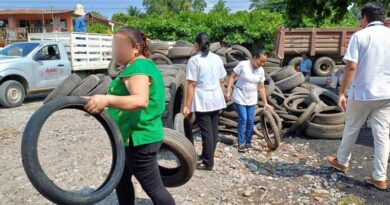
[105, 7]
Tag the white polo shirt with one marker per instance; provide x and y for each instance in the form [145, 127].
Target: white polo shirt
[207, 72]
[246, 87]
[370, 49]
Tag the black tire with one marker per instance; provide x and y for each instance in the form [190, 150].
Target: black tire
[295, 63]
[156, 57]
[276, 101]
[278, 120]
[158, 46]
[215, 46]
[324, 67]
[64, 88]
[269, 70]
[291, 82]
[288, 117]
[267, 122]
[227, 122]
[179, 145]
[181, 43]
[274, 61]
[180, 60]
[303, 120]
[162, 52]
[324, 131]
[283, 73]
[174, 80]
[86, 85]
[12, 94]
[114, 69]
[101, 89]
[178, 124]
[269, 87]
[244, 50]
[329, 116]
[288, 103]
[300, 90]
[235, 55]
[180, 52]
[222, 51]
[325, 96]
[38, 177]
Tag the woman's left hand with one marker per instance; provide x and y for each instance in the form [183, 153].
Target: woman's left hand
[268, 106]
[96, 103]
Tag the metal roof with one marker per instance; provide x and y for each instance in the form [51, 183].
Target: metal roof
[33, 11]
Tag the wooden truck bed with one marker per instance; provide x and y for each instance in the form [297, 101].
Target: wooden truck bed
[314, 41]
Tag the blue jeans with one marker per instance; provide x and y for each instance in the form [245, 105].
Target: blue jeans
[246, 120]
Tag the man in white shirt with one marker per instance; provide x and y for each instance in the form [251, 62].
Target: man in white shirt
[368, 69]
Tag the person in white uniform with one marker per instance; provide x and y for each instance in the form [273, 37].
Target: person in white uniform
[205, 75]
[250, 80]
[368, 69]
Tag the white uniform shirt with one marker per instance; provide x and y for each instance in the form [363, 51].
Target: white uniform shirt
[207, 72]
[370, 49]
[246, 87]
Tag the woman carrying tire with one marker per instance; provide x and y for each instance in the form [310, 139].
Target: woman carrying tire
[136, 101]
[205, 75]
[250, 79]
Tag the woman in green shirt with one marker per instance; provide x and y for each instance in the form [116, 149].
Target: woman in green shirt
[136, 101]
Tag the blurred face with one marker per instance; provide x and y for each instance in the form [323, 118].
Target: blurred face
[363, 22]
[122, 49]
[259, 62]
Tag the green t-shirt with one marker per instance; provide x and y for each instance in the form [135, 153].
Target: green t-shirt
[143, 126]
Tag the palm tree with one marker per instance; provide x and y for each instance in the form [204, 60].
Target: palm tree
[133, 11]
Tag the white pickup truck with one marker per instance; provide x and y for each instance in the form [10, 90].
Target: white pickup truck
[43, 62]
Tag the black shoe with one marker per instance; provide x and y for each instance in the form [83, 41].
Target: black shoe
[241, 148]
[248, 146]
[202, 166]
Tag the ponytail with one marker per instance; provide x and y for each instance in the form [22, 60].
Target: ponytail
[202, 40]
[135, 37]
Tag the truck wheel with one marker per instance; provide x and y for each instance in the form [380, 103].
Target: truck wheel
[174, 80]
[38, 177]
[324, 67]
[295, 62]
[12, 94]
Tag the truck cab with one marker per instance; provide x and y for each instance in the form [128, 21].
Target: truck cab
[31, 67]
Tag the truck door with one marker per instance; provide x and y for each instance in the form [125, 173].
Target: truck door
[50, 68]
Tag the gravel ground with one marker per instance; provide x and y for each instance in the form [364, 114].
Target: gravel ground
[75, 153]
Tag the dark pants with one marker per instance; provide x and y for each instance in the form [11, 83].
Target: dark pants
[141, 162]
[208, 124]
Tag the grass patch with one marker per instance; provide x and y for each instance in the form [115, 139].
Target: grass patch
[351, 199]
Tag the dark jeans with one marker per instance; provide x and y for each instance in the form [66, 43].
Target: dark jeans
[246, 120]
[208, 124]
[141, 162]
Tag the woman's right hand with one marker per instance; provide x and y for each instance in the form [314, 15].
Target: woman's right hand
[186, 112]
[228, 97]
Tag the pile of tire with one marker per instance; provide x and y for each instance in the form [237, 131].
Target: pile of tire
[162, 53]
[303, 106]
[298, 107]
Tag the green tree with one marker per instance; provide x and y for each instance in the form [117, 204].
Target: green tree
[220, 7]
[133, 11]
[163, 6]
[272, 5]
[199, 5]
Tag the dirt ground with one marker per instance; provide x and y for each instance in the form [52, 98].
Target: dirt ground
[74, 151]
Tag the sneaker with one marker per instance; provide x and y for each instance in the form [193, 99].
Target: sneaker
[241, 148]
[381, 185]
[332, 161]
[248, 146]
[202, 166]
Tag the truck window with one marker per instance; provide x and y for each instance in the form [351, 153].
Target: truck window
[18, 49]
[48, 53]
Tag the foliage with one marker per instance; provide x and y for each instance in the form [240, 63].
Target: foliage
[199, 5]
[134, 11]
[257, 27]
[220, 7]
[98, 28]
[175, 6]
